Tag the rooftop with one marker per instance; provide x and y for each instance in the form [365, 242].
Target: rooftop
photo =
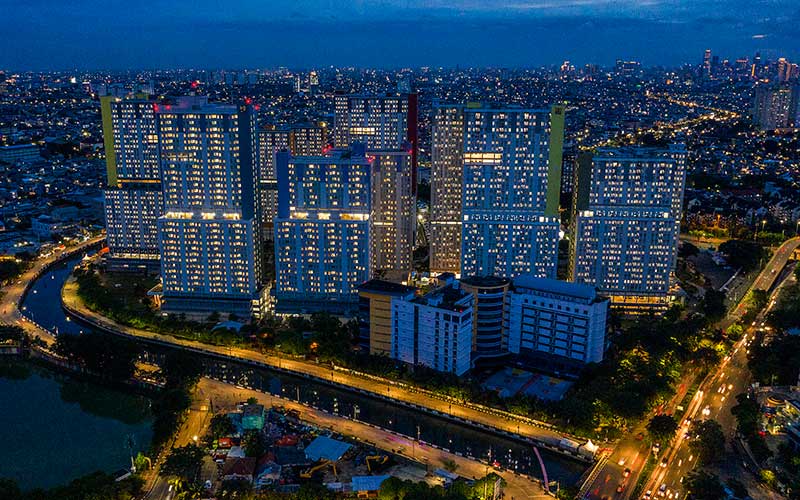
[576, 290]
[326, 448]
[368, 483]
[386, 287]
[446, 297]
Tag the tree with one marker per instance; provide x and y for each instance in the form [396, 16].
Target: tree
[183, 462]
[742, 253]
[104, 355]
[705, 486]
[760, 299]
[662, 428]
[713, 305]
[182, 368]
[686, 250]
[709, 443]
[254, 444]
[220, 426]
[9, 489]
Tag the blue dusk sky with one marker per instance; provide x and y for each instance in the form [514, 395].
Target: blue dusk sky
[115, 34]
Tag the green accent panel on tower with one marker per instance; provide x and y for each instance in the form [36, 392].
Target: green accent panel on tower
[554, 162]
[108, 140]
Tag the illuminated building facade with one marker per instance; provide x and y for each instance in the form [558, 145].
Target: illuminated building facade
[559, 325]
[300, 140]
[393, 214]
[447, 161]
[209, 257]
[322, 229]
[510, 192]
[270, 141]
[381, 122]
[387, 126]
[133, 199]
[628, 204]
[434, 330]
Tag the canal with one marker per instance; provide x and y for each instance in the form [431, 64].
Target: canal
[42, 304]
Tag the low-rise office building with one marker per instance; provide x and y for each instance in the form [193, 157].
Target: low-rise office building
[562, 324]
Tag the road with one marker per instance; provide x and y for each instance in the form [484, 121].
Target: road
[191, 431]
[717, 395]
[632, 453]
[518, 487]
[376, 385]
[12, 294]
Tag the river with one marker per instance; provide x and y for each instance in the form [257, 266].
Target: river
[55, 429]
[43, 305]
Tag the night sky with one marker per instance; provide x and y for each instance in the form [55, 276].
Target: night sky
[113, 34]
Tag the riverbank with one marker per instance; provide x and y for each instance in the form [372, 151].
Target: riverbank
[484, 418]
[517, 485]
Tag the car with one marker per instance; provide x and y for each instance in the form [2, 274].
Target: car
[706, 411]
[626, 472]
[621, 487]
[656, 448]
[647, 495]
[664, 462]
[621, 462]
[662, 490]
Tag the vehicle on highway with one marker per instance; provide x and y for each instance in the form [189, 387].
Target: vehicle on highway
[662, 490]
[647, 495]
[664, 462]
[656, 448]
[706, 411]
[621, 461]
[626, 472]
[621, 487]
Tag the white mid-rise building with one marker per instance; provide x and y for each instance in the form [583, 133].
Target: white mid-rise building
[555, 321]
[434, 330]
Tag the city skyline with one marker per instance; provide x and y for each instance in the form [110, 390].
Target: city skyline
[376, 34]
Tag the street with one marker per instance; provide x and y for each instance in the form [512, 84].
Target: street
[632, 451]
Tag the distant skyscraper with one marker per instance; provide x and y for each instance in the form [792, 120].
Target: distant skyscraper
[133, 199]
[707, 63]
[628, 204]
[210, 259]
[510, 191]
[270, 141]
[393, 214]
[447, 163]
[322, 229]
[776, 106]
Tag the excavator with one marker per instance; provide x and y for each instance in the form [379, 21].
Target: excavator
[376, 462]
[308, 473]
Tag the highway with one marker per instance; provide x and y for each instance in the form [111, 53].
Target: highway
[717, 394]
[632, 452]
